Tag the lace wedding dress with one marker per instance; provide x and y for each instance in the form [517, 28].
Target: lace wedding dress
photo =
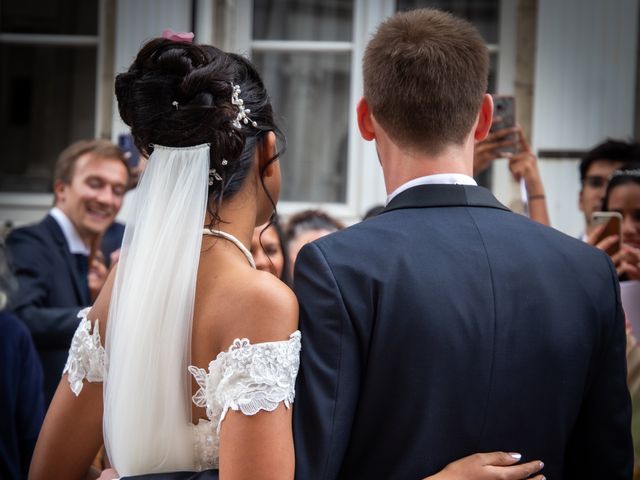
[247, 378]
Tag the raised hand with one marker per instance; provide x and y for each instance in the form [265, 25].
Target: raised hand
[489, 149]
[97, 275]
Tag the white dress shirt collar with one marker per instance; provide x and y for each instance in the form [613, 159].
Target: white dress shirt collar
[446, 178]
[75, 243]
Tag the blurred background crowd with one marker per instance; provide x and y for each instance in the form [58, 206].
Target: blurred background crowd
[564, 148]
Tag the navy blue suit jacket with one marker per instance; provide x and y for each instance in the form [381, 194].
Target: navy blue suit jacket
[449, 325]
[21, 398]
[446, 326]
[51, 291]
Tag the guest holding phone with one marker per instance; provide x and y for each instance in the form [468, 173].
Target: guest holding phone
[623, 196]
[523, 164]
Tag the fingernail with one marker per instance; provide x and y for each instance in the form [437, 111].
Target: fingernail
[517, 456]
[542, 466]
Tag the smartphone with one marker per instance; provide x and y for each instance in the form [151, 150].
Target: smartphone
[504, 116]
[613, 221]
[131, 153]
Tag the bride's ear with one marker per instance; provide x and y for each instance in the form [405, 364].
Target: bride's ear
[266, 152]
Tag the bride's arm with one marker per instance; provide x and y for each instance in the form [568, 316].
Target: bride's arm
[71, 434]
[260, 446]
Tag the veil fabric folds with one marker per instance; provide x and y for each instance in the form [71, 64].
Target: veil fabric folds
[147, 390]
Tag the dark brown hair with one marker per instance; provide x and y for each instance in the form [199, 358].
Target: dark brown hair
[66, 162]
[178, 94]
[425, 73]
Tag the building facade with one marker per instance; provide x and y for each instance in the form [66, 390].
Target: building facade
[571, 64]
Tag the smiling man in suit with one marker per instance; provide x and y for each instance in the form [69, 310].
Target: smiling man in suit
[51, 259]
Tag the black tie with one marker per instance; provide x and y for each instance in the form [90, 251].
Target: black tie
[82, 263]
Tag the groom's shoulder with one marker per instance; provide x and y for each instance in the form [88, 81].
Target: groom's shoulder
[356, 240]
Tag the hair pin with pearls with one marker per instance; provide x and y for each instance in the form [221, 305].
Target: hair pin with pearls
[243, 113]
[214, 175]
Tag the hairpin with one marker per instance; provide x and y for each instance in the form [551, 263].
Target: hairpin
[175, 104]
[213, 175]
[243, 113]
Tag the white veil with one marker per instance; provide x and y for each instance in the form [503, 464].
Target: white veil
[147, 392]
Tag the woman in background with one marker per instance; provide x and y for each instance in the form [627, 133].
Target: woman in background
[269, 250]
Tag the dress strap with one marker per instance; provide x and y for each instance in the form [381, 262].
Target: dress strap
[232, 239]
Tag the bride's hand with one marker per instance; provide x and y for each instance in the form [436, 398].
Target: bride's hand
[109, 474]
[490, 466]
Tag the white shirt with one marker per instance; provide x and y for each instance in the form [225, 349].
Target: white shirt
[441, 178]
[75, 243]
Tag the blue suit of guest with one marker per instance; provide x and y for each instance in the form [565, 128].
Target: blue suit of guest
[52, 290]
[21, 398]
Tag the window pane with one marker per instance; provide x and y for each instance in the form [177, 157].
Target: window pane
[310, 94]
[47, 100]
[484, 14]
[303, 20]
[62, 17]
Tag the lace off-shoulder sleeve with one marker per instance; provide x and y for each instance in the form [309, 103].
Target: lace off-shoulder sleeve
[86, 355]
[249, 378]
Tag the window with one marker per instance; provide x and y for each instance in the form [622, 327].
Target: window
[48, 62]
[303, 48]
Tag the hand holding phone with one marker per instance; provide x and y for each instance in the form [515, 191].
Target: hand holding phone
[612, 222]
[504, 119]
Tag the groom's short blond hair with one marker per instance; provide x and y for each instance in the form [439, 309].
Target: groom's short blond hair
[425, 74]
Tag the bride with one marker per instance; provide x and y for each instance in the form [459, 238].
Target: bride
[187, 361]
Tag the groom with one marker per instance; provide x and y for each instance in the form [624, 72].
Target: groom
[448, 325]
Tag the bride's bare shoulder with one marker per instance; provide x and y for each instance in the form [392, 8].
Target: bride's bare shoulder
[257, 306]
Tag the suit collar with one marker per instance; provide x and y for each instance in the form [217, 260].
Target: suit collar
[440, 195]
[75, 243]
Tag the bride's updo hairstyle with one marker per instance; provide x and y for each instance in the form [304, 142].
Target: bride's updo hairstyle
[177, 94]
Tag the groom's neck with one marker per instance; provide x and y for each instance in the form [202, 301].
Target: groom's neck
[400, 165]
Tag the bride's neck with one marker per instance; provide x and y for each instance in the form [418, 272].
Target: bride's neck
[238, 217]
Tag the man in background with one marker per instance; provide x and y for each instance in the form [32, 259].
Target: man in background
[58, 262]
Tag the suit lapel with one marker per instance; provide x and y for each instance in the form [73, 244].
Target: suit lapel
[444, 195]
[80, 284]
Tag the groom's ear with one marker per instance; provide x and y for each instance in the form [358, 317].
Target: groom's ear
[365, 120]
[485, 118]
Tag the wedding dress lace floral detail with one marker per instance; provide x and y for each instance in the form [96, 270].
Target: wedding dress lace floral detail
[247, 378]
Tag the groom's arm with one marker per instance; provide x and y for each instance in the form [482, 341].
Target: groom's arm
[328, 382]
